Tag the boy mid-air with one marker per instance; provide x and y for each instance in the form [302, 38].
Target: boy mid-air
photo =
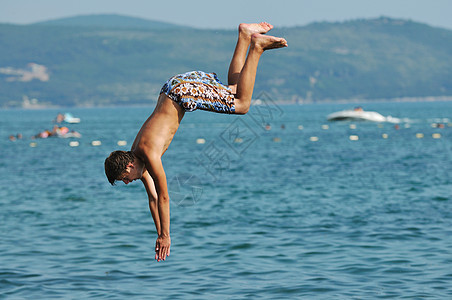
[181, 93]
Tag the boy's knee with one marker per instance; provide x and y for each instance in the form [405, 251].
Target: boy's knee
[241, 109]
[241, 112]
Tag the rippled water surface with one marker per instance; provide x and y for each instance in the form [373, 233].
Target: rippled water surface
[297, 211]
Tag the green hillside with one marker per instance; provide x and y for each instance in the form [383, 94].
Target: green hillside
[116, 62]
[109, 21]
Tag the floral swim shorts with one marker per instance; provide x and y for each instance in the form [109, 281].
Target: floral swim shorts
[200, 90]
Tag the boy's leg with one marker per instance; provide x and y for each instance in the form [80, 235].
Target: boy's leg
[243, 42]
[246, 78]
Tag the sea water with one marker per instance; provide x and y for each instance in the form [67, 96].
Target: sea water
[276, 204]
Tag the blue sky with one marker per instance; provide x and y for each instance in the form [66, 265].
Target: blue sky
[227, 14]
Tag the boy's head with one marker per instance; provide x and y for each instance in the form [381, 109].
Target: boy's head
[116, 164]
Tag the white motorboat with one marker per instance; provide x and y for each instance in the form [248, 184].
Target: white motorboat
[358, 114]
[68, 118]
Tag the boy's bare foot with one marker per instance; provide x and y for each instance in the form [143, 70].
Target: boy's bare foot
[248, 29]
[265, 42]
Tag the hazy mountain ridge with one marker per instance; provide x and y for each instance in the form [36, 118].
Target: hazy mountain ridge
[117, 62]
[109, 21]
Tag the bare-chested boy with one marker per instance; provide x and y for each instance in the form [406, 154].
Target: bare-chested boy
[181, 93]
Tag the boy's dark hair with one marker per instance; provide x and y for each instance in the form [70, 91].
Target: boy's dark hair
[116, 163]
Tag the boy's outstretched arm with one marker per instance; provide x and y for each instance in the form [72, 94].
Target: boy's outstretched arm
[152, 196]
[154, 166]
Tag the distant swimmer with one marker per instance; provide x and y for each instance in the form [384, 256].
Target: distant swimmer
[185, 93]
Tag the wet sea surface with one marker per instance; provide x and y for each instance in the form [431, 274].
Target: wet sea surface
[305, 209]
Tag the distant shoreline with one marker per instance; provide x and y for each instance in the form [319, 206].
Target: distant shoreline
[386, 100]
[42, 106]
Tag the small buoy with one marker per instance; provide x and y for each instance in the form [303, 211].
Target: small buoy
[325, 127]
[300, 127]
[436, 135]
[313, 139]
[352, 126]
[96, 143]
[122, 143]
[200, 141]
[74, 144]
[384, 135]
[33, 144]
[276, 139]
[419, 135]
[354, 138]
[238, 140]
[434, 125]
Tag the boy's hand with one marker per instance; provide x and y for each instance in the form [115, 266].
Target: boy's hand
[162, 247]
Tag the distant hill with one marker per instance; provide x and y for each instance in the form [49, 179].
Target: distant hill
[109, 21]
[108, 60]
